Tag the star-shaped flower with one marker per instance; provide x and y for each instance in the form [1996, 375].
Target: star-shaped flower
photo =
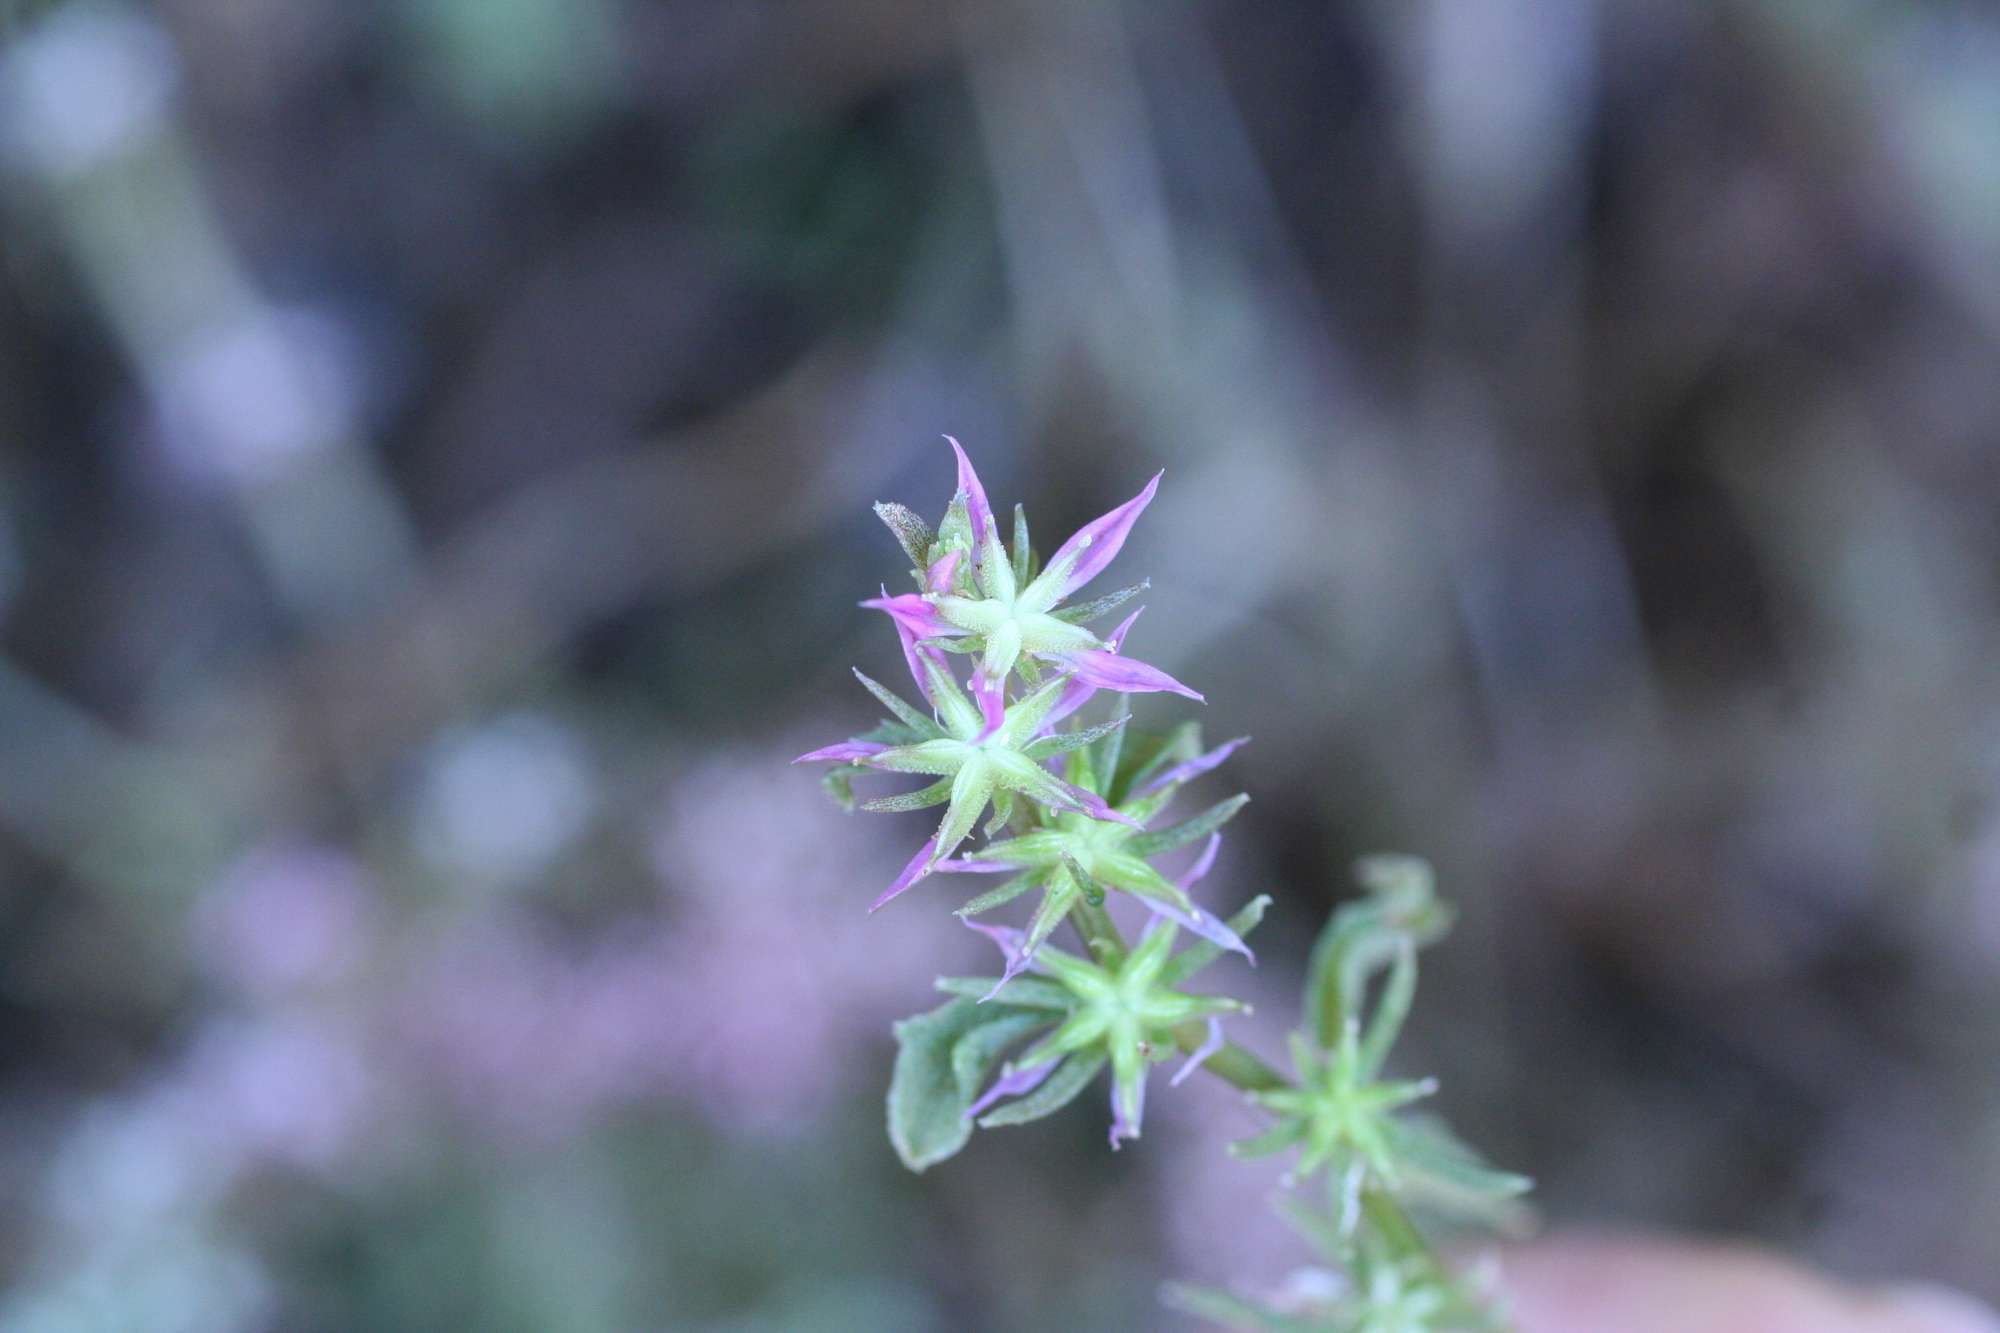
[1122, 1012]
[976, 597]
[1338, 1113]
[1076, 856]
[975, 764]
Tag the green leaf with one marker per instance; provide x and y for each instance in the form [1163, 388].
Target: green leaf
[1442, 1172]
[912, 533]
[933, 1085]
[1180, 835]
[1057, 1091]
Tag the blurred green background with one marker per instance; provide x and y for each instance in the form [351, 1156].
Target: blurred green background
[436, 442]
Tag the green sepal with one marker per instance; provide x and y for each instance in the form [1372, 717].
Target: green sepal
[1193, 830]
[1273, 1140]
[1061, 1088]
[1025, 563]
[1006, 893]
[912, 533]
[1105, 760]
[955, 532]
[895, 703]
[1149, 755]
[1069, 741]
[1400, 914]
[921, 799]
[934, 1084]
[1003, 811]
[1024, 992]
[1085, 612]
[839, 783]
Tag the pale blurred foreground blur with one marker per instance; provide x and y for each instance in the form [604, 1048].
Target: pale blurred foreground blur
[1601, 1285]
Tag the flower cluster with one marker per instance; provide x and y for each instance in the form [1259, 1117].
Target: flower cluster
[1075, 811]
[1079, 811]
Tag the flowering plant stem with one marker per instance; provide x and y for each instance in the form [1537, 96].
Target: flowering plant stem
[1079, 812]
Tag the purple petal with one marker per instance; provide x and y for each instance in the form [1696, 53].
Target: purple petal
[1109, 671]
[1117, 639]
[1079, 691]
[913, 611]
[1093, 805]
[1204, 924]
[1012, 1084]
[848, 751]
[1013, 945]
[918, 867]
[1121, 1128]
[1011, 941]
[1202, 864]
[915, 619]
[1097, 542]
[992, 697]
[976, 507]
[938, 578]
[1201, 1053]
[962, 866]
[1074, 695]
[1195, 767]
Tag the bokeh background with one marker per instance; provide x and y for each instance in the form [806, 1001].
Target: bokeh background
[436, 441]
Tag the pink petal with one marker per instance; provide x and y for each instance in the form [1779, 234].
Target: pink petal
[847, 751]
[976, 507]
[1196, 766]
[963, 866]
[1097, 542]
[938, 578]
[918, 867]
[1080, 691]
[1110, 671]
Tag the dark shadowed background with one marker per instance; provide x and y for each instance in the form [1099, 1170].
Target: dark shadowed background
[436, 442]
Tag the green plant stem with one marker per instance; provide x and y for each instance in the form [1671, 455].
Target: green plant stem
[1099, 931]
